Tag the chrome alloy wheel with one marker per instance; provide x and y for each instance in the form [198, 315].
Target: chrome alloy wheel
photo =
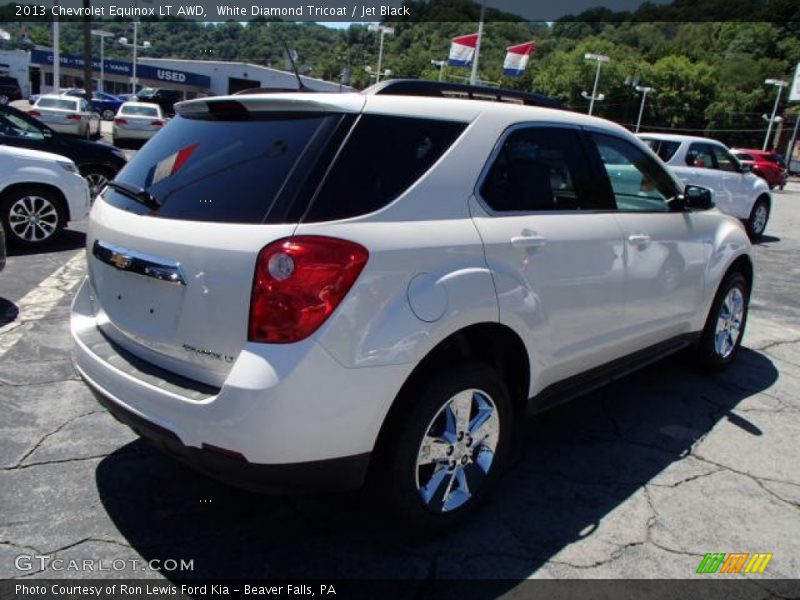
[760, 219]
[729, 322]
[97, 181]
[33, 218]
[458, 450]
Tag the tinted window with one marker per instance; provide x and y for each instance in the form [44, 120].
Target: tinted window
[665, 149]
[218, 170]
[539, 169]
[725, 162]
[13, 126]
[382, 157]
[700, 156]
[144, 111]
[743, 156]
[638, 181]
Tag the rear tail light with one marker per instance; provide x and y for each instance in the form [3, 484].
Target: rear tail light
[34, 113]
[73, 117]
[298, 283]
[157, 123]
[119, 121]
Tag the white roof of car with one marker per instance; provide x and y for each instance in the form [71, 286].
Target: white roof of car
[674, 137]
[453, 109]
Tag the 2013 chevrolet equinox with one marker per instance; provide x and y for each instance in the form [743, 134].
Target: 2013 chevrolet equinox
[288, 290]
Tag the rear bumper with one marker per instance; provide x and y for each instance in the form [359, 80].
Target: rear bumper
[345, 473]
[293, 416]
[120, 133]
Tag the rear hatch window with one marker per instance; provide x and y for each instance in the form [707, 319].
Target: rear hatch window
[224, 170]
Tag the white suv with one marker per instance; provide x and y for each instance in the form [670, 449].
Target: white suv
[709, 163]
[39, 193]
[307, 290]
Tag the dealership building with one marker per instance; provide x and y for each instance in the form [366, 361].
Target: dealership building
[34, 71]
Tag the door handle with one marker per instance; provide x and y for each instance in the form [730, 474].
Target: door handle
[639, 239]
[528, 241]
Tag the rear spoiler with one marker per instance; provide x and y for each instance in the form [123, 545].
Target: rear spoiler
[238, 107]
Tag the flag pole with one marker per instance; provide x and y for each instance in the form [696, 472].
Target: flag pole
[473, 78]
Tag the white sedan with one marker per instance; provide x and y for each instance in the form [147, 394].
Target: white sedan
[137, 121]
[67, 114]
[40, 192]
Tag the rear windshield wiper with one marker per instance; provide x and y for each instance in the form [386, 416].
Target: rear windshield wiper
[141, 195]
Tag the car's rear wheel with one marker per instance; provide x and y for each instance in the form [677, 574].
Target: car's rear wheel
[757, 222]
[724, 329]
[450, 448]
[32, 216]
[4, 99]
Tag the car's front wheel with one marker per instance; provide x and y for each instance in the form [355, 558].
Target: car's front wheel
[450, 448]
[32, 216]
[724, 329]
[108, 114]
[97, 178]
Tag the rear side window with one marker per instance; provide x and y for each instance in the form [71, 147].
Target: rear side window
[221, 170]
[382, 157]
[664, 149]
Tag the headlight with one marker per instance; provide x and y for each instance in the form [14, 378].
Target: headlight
[67, 166]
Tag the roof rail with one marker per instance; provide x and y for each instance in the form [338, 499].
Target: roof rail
[441, 89]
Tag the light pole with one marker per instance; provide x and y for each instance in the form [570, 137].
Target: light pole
[473, 77]
[124, 42]
[101, 85]
[441, 64]
[644, 90]
[56, 53]
[383, 30]
[780, 84]
[600, 58]
[377, 75]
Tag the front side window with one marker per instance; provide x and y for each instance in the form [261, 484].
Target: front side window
[700, 156]
[638, 182]
[541, 169]
[725, 161]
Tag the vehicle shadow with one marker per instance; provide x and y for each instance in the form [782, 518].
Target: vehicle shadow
[767, 239]
[68, 240]
[580, 462]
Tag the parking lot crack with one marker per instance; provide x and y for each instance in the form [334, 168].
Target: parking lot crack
[45, 437]
[758, 480]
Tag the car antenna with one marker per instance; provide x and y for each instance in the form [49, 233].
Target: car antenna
[300, 86]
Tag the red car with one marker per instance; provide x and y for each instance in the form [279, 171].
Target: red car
[766, 164]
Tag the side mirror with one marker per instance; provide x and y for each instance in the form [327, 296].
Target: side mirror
[698, 198]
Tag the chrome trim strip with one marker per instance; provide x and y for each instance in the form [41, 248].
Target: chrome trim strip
[125, 259]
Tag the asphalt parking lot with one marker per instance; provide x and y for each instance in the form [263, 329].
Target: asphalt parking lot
[638, 480]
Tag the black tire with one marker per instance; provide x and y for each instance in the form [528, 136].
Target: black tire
[754, 225]
[21, 202]
[108, 114]
[712, 356]
[427, 412]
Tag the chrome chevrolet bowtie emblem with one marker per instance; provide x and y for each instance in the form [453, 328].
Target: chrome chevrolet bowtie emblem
[119, 260]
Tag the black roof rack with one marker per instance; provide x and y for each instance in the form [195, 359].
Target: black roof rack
[441, 89]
